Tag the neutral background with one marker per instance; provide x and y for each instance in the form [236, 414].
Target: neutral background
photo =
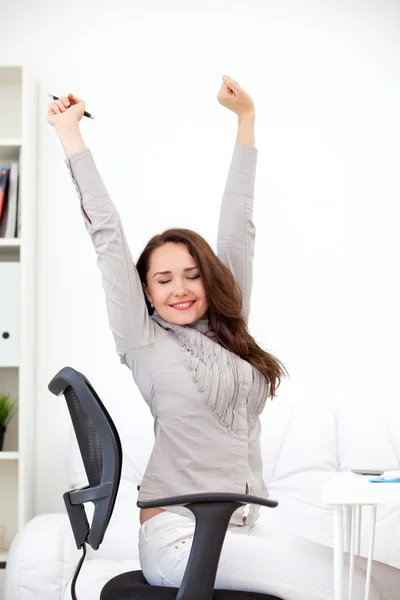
[324, 77]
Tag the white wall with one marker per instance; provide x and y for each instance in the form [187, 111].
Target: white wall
[324, 77]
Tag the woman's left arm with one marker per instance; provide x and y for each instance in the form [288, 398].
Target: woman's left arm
[236, 230]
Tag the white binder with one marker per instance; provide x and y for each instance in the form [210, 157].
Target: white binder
[9, 313]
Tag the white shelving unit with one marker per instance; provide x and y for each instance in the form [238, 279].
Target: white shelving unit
[18, 141]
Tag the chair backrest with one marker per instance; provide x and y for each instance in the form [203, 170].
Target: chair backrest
[101, 451]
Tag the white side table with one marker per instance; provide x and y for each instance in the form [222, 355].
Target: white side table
[345, 490]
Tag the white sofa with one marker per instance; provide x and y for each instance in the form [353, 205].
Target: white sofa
[302, 447]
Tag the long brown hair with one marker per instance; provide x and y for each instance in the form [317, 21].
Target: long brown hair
[224, 298]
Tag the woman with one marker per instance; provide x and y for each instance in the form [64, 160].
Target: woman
[179, 320]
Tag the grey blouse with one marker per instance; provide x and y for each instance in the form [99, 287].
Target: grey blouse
[205, 400]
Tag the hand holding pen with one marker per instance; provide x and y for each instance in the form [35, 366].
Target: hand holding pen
[66, 109]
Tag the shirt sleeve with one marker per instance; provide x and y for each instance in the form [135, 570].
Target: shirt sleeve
[236, 230]
[130, 322]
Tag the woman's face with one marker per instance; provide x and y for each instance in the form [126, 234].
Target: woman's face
[174, 285]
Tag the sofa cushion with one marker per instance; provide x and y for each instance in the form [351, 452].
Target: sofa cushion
[299, 455]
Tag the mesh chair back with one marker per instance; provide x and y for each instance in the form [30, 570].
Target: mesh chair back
[101, 452]
[87, 436]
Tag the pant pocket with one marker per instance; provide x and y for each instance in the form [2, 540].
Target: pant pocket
[163, 553]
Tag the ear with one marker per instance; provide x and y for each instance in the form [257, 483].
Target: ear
[146, 292]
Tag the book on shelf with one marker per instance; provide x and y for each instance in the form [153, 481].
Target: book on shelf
[9, 202]
[4, 178]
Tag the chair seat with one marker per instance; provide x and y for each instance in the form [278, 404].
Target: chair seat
[133, 586]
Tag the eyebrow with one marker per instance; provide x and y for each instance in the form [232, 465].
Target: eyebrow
[170, 272]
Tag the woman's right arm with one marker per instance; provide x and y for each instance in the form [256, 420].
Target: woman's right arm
[130, 323]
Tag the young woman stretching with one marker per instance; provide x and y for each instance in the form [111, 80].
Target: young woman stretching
[179, 320]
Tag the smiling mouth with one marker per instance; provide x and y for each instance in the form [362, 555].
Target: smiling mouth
[183, 305]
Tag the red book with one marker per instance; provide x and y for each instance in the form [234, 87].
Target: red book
[4, 176]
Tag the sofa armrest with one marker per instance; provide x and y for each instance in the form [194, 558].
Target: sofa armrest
[42, 559]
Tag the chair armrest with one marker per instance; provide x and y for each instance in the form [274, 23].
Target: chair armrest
[208, 497]
[42, 559]
[212, 512]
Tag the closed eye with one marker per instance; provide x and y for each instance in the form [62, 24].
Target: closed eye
[195, 277]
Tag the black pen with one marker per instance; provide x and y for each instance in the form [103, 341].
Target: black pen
[85, 114]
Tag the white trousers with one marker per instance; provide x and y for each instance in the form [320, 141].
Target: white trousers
[258, 558]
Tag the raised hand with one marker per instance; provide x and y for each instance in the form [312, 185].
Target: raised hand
[232, 96]
[67, 110]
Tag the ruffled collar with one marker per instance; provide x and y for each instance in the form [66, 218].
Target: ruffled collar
[222, 377]
[201, 325]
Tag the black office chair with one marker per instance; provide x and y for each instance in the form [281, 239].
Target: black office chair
[101, 452]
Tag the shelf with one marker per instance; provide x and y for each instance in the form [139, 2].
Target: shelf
[10, 248]
[9, 455]
[8, 366]
[10, 242]
[18, 143]
[10, 142]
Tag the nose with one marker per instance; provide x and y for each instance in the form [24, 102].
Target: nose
[180, 290]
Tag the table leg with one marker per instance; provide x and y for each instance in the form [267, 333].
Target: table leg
[352, 543]
[338, 551]
[347, 517]
[359, 517]
[370, 553]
